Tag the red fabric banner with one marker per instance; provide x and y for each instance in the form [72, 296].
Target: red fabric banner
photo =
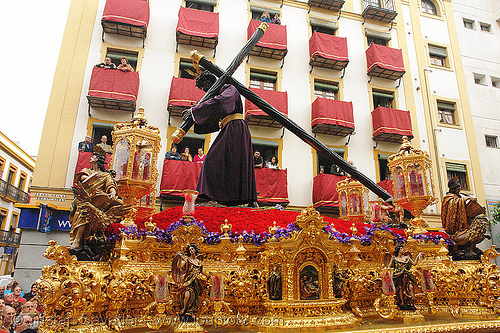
[384, 57]
[387, 184]
[84, 161]
[272, 186]
[114, 84]
[182, 175]
[332, 112]
[133, 12]
[391, 121]
[328, 46]
[183, 92]
[274, 38]
[278, 99]
[198, 23]
[325, 190]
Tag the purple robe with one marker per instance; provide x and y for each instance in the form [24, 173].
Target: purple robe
[228, 174]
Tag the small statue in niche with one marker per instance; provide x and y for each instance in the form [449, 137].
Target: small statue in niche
[274, 284]
[404, 280]
[187, 273]
[337, 281]
[309, 284]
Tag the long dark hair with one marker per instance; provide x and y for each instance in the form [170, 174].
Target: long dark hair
[397, 249]
[271, 160]
[196, 248]
[101, 161]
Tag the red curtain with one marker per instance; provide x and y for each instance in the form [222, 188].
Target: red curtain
[325, 190]
[278, 99]
[388, 185]
[274, 38]
[384, 57]
[83, 161]
[328, 46]
[183, 92]
[133, 12]
[332, 112]
[198, 23]
[272, 186]
[114, 84]
[391, 121]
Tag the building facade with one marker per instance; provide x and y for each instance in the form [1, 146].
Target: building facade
[358, 75]
[16, 173]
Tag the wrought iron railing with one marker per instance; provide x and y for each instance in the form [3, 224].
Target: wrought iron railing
[13, 192]
[9, 238]
[387, 4]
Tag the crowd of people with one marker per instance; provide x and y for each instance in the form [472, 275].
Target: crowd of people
[258, 161]
[265, 17]
[20, 311]
[124, 65]
[173, 154]
[88, 146]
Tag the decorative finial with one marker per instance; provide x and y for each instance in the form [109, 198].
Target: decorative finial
[274, 228]
[226, 228]
[354, 230]
[140, 118]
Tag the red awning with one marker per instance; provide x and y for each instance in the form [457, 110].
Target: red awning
[388, 185]
[84, 161]
[330, 116]
[198, 23]
[183, 93]
[278, 99]
[272, 186]
[182, 175]
[114, 84]
[325, 190]
[391, 124]
[274, 38]
[133, 12]
[385, 62]
[327, 47]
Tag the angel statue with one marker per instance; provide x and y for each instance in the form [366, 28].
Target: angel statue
[96, 205]
[186, 271]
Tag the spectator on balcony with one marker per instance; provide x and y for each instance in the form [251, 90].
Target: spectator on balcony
[87, 145]
[186, 156]
[17, 295]
[124, 66]
[107, 148]
[200, 157]
[108, 64]
[173, 154]
[273, 163]
[265, 17]
[258, 161]
[8, 314]
[32, 293]
[276, 19]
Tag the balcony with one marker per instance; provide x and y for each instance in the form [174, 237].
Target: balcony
[332, 117]
[384, 62]
[325, 191]
[113, 89]
[9, 238]
[272, 186]
[198, 28]
[183, 94]
[328, 51]
[11, 193]
[379, 10]
[273, 44]
[391, 124]
[126, 18]
[334, 5]
[256, 117]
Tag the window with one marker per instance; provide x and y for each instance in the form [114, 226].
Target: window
[267, 148]
[116, 55]
[438, 56]
[326, 89]
[383, 166]
[446, 112]
[460, 171]
[328, 167]
[205, 5]
[382, 98]
[375, 40]
[22, 181]
[99, 129]
[495, 82]
[479, 78]
[3, 217]
[11, 176]
[257, 12]
[186, 68]
[13, 221]
[469, 24]
[263, 80]
[377, 37]
[2, 166]
[491, 141]
[429, 7]
[192, 141]
[323, 26]
[485, 27]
